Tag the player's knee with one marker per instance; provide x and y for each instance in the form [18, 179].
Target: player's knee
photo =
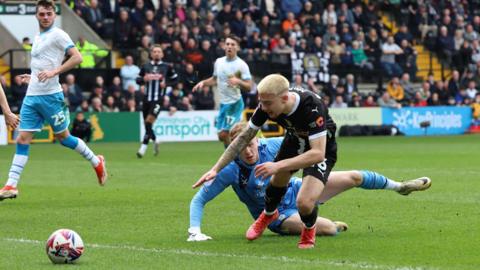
[356, 177]
[305, 205]
[23, 139]
[223, 136]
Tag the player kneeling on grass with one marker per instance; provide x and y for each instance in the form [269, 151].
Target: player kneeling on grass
[251, 190]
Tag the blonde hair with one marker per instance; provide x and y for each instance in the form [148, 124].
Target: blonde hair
[273, 84]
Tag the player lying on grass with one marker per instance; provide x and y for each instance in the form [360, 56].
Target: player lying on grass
[251, 190]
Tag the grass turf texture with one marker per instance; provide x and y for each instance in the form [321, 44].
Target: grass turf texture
[140, 219]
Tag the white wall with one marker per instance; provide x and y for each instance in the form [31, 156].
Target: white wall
[24, 25]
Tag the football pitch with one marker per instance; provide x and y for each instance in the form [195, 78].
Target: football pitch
[139, 220]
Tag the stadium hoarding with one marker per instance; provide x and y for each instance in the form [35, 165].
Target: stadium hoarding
[186, 126]
[113, 127]
[3, 131]
[439, 120]
[356, 116]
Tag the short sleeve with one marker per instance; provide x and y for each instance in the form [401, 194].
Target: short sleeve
[316, 121]
[215, 68]
[64, 41]
[246, 75]
[258, 118]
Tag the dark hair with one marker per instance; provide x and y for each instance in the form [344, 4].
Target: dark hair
[155, 46]
[237, 39]
[46, 4]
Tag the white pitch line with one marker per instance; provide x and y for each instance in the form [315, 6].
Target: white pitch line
[358, 265]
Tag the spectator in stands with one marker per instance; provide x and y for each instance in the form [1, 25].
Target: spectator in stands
[226, 15]
[350, 85]
[329, 16]
[434, 100]
[98, 92]
[137, 14]
[395, 90]
[369, 101]
[238, 26]
[454, 82]
[331, 33]
[116, 86]
[26, 44]
[289, 23]
[407, 86]
[129, 73]
[338, 103]
[389, 51]
[203, 100]
[123, 31]
[84, 107]
[298, 82]
[445, 45]
[360, 58]
[419, 100]
[89, 51]
[387, 102]
[471, 90]
[331, 87]
[184, 105]
[356, 101]
[336, 51]
[94, 17]
[403, 34]
[81, 127]
[345, 11]
[131, 106]
[407, 59]
[281, 53]
[110, 105]
[293, 6]
[74, 92]
[372, 46]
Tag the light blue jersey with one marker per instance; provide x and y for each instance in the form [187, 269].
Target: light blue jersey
[250, 192]
[224, 69]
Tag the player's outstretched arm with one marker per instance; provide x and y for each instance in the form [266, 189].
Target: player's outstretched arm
[201, 198]
[74, 60]
[207, 82]
[10, 118]
[240, 142]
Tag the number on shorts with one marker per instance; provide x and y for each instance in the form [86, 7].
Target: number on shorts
[156, 109]
[59, 118]
[301, 144]
[230, 120]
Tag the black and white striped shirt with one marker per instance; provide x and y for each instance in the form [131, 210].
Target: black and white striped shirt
[153, 90]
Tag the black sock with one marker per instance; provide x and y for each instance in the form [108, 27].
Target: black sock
[273, 196]
[148, 133]
[310, 219]
[146, 138]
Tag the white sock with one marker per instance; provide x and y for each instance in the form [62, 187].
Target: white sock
[393, 185]
[16, 169]
[88, 154]
[143, 149]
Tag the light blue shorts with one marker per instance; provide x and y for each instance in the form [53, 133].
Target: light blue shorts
[229, 115]
[38, 109]
[288, 205]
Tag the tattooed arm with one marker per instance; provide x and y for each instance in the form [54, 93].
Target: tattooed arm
[230, 153]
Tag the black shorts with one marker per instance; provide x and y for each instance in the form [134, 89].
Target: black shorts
[151, 108]
[293, 146]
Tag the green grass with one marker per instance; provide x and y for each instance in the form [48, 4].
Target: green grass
[140, 219]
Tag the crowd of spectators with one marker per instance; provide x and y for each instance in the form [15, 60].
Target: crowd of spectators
[359, 45]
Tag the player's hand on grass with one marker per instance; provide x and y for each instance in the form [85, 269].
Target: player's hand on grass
[11, 120]
[266, 169]
[25, 78]
[195, 235]
[46, 74]
[210, 175]
[198, 86]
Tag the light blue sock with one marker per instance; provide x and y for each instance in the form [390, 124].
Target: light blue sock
[70, 142]
[80, 147]
[373, 180]
[19, 161]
